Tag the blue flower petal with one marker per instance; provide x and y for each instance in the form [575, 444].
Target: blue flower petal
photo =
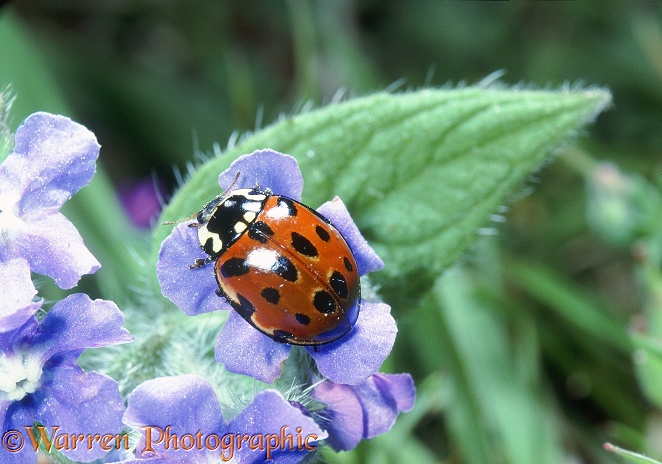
[344, 413]
[53, 158]
[16, 294]
[383, 397]
[366, 258]
[271, 417]
[266, 169]
[53, 247]
[365, 410]
[242, 349]
[77, 402]
[76, 323]
[186, 403]
[359, 354]
[192, 290]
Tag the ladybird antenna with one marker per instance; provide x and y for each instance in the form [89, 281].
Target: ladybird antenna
[234, 181]
[236, 178]
[165, 223]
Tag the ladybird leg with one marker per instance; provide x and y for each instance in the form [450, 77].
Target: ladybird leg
[199, 262]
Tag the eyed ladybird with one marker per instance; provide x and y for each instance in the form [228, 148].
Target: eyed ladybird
[281, 265]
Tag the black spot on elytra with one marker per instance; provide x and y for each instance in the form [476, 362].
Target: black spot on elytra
[302, 319]
[339, 284]
[271, 294]
[259, 231]
[322, 233]
[323, 302]
[303, 245]
[287, 204]
[281, 336]
[284, 268]
[234, 267]
[348, 264]
[244, 307]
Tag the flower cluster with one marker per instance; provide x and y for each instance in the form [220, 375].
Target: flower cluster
[40, 381]
[340, 397]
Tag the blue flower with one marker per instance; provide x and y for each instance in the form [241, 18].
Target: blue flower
[357, 412]
[16, 294]
[180, 421]
[240, 347]
[53, 158]
[40, 380]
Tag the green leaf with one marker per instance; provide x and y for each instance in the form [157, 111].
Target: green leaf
[420, 171]
[495, 413]
[6, 138]
[23, 67]
[629, 456]
[648, 364]
[95, 210]
[570, 303]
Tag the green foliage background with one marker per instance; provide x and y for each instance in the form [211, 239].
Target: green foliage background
[542, 341]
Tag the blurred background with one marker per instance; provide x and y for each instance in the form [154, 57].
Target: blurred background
[569, 290]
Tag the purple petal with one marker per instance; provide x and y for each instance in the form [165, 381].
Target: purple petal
[186, 403]
[345, 424]
[359, 354]
[242, 349]
[365, 410]
[77, 402]
[268, 169]
[53, 158]
[271, 417]
[366, 258]
[53, 247]
[16, 294]
[76, 323]
[192, 290]
[382, 398]
[154, 460]
[142, 200]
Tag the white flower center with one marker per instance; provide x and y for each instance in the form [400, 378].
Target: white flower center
[20, 375]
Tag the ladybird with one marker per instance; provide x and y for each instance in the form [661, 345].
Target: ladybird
[281, 265]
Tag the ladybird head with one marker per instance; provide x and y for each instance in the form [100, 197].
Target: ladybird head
[224, 219]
